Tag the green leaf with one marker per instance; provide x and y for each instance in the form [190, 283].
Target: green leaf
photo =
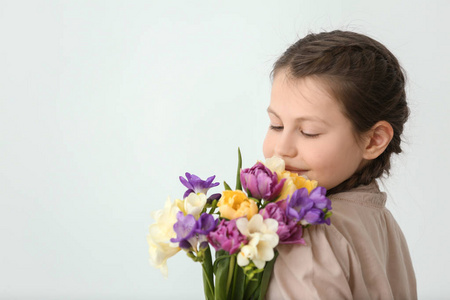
[238, 176]
[227, 187]
[238, 284]
[208, 277]
[266, 277]
[252, 288]
[230, 272]
[221, 266]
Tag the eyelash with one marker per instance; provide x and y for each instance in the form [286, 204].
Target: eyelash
[280, 128]
[311, 136]
[276, 128]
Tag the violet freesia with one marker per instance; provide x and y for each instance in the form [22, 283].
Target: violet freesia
[289, 229]
[309, 209]
[213, 197]
[318, 195]
[197, 185]
[227, 237]
[261, 182]
[317, 215]
[190, 232]
[299, 204]
[206, 223]
[185, 230]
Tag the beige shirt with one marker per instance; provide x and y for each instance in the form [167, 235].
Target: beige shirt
[361, 255]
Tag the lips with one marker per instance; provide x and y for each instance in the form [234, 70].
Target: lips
[294, 170]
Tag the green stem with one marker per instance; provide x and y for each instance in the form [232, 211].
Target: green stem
[238, 283]
[266, 277]
[230, 271]
[213, 207]
[209, 290]
[208, 277]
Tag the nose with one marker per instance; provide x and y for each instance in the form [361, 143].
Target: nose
[286, 146]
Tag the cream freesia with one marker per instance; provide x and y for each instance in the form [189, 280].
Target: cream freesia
[160, 233]
[263, 238]
[275, 164]
[193, 204]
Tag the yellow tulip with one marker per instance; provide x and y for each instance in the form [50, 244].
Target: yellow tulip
[294, 182]
[235, 204]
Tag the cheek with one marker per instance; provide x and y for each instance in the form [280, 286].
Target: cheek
[342, 159]
[268, 145]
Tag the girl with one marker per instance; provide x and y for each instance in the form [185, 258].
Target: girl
[337, 112]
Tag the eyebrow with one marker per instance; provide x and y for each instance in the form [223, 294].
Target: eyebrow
[300, 119]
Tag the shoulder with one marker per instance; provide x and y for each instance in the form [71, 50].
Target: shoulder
[350, 231]
[320, 269]
[359, 210]
[364, 196]
[354, 257]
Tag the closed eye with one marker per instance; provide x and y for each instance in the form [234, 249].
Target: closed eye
[310, 135]
[276, 128]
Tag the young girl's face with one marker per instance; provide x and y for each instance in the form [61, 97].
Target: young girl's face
[310, 132]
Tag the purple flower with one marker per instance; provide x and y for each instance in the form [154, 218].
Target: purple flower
[261, 182]
[190, 231]
[289, 229]
[196, 185]
[227, 237]
[315, 216]
[309, 209]
[299, 204]
[213, 197]
[206, 223]
[318, 195]
[185, 230]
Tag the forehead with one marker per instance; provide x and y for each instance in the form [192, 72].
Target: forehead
[303, 97]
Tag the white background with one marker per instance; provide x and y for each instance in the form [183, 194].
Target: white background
[103, 104]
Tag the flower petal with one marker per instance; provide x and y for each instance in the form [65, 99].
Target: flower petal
[242, 261]
[241, 224]
[259, 263]
[272, 225]
[275, 164]
[265, 251]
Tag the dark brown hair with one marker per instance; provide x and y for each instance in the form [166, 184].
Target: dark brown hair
[367, 80]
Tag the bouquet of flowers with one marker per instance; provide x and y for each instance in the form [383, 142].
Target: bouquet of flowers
[269, 206]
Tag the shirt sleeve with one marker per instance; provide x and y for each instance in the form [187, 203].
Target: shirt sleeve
[325, 268]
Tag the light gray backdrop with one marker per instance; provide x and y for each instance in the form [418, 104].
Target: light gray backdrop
[103, 104]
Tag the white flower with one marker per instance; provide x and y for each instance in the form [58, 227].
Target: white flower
[194, 204]
[275, 164]
[160, 233]
[263, 238]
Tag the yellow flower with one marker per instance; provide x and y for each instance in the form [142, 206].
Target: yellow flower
[235, 204]
[294, 182]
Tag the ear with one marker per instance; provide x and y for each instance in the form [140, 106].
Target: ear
[377, 139]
